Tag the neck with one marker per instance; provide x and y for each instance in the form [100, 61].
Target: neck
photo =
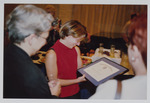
[63, 41]
[24, 47]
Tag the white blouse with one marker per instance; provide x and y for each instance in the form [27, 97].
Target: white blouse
[134, 88]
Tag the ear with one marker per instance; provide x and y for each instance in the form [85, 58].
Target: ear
[30, 39]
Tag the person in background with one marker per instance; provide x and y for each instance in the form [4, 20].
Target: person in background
[126, 27]
[136, 87]
[28, 28]
[63, 59]
[54, 32]
[50, 9]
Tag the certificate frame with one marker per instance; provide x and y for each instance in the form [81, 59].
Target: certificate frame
[108, 69]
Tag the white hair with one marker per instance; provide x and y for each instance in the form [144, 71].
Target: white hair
[25, 20]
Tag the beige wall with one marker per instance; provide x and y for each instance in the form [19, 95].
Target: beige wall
[65, 13]
[101, 20]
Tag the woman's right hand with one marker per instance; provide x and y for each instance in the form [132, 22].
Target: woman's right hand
[55, 89]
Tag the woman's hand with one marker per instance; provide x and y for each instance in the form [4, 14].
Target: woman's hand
[81, 79]
[55, 87]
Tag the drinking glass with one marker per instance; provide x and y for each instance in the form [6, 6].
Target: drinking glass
[101, 48]
[112, 51]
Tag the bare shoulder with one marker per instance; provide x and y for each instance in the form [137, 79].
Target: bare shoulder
[51, 54]
[77, 49]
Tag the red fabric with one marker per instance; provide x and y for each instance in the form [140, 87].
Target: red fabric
[67, 67]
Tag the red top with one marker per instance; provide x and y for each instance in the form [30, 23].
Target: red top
[67, 67]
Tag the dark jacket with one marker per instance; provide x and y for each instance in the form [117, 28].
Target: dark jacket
[22, 78]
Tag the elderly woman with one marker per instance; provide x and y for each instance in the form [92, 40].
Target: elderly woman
[63, 59]
[28, 28]
[136, 87]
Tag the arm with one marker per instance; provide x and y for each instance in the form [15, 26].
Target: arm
[51, 68]
[55, 90]
[137, 63]
[79, 60]
[65, 82]
[51, 64]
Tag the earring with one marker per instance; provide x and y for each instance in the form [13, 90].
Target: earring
[132, 59]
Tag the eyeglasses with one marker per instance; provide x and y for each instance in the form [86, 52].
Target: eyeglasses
[48, 39]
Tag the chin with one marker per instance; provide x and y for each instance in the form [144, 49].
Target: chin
[72, 47]
[35, 52]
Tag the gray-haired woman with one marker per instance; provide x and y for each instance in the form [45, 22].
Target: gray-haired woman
[28, 28]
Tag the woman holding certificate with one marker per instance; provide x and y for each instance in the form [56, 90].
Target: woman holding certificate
[63, 59]
[136, 87]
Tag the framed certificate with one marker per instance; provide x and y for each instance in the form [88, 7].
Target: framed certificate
[102, 70]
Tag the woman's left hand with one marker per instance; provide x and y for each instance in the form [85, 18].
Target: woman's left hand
[81, 79]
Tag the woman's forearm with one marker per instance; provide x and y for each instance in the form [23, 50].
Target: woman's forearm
[66, 82]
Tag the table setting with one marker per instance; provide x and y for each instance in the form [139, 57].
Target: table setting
[112, 54]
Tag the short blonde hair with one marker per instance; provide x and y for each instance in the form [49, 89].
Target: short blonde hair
[73, 28]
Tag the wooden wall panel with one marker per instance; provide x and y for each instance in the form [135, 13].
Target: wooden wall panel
[100, 20]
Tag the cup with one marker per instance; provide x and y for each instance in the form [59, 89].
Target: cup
[112, 51]
[124, 60]
[101, 48]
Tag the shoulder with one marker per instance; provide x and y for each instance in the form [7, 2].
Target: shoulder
[50, 54]
[77, 49]
[138, 86]
[137, 80]
[108, 84]
[107, 90]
